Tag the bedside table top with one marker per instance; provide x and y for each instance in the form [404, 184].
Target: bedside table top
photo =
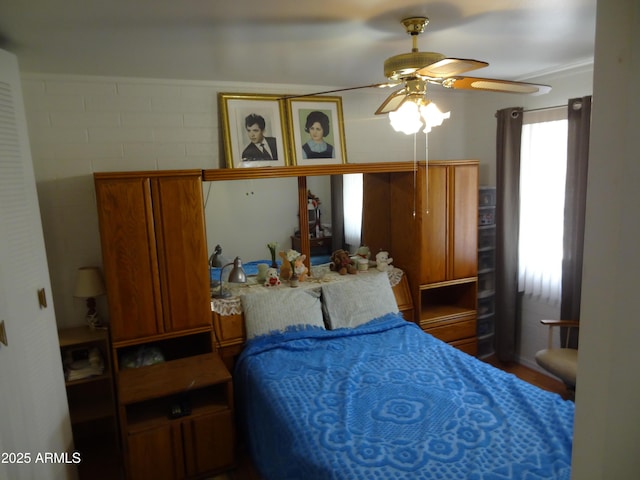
[79, 335]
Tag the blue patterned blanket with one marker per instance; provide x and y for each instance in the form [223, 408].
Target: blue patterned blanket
[387, 401]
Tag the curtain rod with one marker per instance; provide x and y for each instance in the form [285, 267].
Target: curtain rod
[514, 114]
[545, 108]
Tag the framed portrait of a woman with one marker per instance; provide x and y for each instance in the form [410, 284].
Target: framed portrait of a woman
[253, 129]
[316, 127]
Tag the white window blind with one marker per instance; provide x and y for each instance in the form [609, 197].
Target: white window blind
[542, 191]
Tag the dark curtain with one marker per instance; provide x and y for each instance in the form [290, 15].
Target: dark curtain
[508, 140]
[579, 123]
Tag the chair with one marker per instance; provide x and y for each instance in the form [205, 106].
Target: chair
[561, 362]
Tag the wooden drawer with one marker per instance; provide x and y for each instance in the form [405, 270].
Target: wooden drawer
[467, 345]
[229, 329]
[450, 331]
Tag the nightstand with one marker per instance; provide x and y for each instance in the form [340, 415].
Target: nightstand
[91, 400]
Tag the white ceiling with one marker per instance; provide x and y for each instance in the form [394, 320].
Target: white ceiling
[338, 43]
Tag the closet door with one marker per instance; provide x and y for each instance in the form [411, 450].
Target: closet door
[32, 395]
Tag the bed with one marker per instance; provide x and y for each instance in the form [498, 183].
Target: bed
[350, 390]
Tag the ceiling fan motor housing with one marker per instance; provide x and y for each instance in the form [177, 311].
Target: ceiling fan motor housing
[399, 67]
[415, 25]
[406, 64]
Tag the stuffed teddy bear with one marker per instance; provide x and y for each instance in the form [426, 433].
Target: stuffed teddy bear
[272, 278]
[285, 267]
[383, 262]
[363, 252]
[342, 263]
[300, 268]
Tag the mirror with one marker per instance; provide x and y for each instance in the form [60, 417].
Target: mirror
[246, 209]
[242, 216]
[321, 227]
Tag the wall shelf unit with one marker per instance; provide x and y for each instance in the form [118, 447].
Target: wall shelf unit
[427, 218]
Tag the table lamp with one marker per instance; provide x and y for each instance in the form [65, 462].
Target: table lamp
[89, 285]
[236, 275]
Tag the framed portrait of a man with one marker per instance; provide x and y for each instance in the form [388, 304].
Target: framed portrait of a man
[253, 129]
[316, 129]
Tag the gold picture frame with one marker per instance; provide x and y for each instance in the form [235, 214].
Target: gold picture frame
[313, 115]
[240, 133]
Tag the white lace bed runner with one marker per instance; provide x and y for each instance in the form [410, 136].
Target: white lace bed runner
[233, 306]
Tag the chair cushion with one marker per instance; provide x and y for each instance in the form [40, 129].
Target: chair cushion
[561, 362]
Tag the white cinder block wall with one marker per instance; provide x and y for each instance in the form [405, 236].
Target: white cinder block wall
[82, 125]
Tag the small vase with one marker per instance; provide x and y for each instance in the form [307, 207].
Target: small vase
[294, 281]
[272, 251]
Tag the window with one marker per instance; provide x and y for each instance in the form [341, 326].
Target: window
[543, 166]
[352, 194]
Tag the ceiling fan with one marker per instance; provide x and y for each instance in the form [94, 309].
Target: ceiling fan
[417, 69]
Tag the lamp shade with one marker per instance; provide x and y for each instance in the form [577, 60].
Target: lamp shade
[89, 283]
[237, 274]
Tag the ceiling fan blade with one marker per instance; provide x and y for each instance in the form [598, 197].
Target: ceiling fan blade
[494, 85]
[448, 67]
[392, 102]
[346, 89]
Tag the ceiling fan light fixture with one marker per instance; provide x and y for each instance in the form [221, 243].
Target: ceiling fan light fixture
[416, 113]
[406, 119]
[432, 116]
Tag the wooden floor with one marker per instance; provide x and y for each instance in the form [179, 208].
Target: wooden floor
[527, 374]
[245, 469]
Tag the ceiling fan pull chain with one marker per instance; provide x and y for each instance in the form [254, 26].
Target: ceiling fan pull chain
[426, 173]
[415, 173]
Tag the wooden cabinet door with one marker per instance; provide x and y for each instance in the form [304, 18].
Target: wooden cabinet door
[156, 454]
[449, 233]
[463, 218]
[209, 442]
[154, 252]
[435, 231]
[129, 256]
[182, 251]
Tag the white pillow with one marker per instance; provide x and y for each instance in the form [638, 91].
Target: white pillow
[357, 300]
[277, 309]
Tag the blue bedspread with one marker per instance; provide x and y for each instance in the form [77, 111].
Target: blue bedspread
[387, 401]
